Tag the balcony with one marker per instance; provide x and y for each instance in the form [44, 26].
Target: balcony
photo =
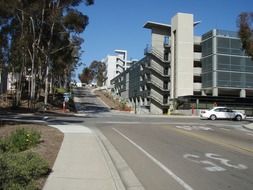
[197, 71]
[197, 40]
[197, 86]
[197, 56]
[157, 53]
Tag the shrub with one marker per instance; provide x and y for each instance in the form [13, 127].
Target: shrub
[71, 105]
[19, 170]
[20, 140]
[4, 146]
[60, 90]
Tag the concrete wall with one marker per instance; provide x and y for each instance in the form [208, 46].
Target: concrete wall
[155, 110]
[156, 95]
[157, 66]
[157, 39]
[157, 81]
[182, 55]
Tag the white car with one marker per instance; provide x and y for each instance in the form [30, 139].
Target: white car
[222, 113]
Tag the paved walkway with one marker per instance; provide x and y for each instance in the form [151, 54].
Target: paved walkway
[82, 163]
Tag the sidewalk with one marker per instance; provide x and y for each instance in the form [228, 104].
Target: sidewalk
[82, 163]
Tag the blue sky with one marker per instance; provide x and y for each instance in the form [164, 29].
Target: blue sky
[118, 24]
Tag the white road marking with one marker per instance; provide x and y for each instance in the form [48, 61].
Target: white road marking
[190, 128]
[212, 166]
[163, 167]
[123, 122]
[225, 129]
[225, 161]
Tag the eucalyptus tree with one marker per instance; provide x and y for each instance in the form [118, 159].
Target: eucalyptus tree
[86, 76]
[64, 21]
[40, 36]
[13, 27]
[245, 24]
[98, 70]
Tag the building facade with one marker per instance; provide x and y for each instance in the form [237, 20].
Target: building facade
[111, 72]
[181, 70]
[226, 69]
[115, 65]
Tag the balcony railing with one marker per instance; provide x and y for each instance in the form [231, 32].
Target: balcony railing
[161, 102]
[164, 88]
[162, 73]
[156, 53]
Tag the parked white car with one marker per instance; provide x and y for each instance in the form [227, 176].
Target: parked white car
[222, 113]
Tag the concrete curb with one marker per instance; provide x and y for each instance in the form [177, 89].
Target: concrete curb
[248, 126]
[127, 176]
[115, 175]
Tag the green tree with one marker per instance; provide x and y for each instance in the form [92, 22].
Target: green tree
[98, 70]
[41, 38]
[86, 76]
[245, 24]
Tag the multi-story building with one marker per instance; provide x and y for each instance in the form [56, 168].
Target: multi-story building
[226, 70]
[110, 62]
[181, 70]
[116, 64]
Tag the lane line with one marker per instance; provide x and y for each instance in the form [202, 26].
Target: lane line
[225, 129]
[163, 167]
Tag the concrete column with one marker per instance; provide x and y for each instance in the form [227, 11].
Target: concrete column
[242, 93]
[141, 102]
[203, 93]
[145, 101]
[215, 91]
[214, 59]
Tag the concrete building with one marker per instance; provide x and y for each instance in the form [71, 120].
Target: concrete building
[226, 69]
[110, 62]
[116, 64]
[181, 71]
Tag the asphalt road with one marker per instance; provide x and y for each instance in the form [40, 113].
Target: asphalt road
[170, 153]
[179, 153]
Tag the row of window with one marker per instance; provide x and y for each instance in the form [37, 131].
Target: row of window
[228, 63]
[224, 45]
[228, 79]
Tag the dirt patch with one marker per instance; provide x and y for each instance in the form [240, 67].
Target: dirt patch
[51, 140]
[110, 101]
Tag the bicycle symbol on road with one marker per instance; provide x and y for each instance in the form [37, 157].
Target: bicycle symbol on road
[211, 166]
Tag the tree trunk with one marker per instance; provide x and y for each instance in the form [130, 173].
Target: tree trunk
[46, 86]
